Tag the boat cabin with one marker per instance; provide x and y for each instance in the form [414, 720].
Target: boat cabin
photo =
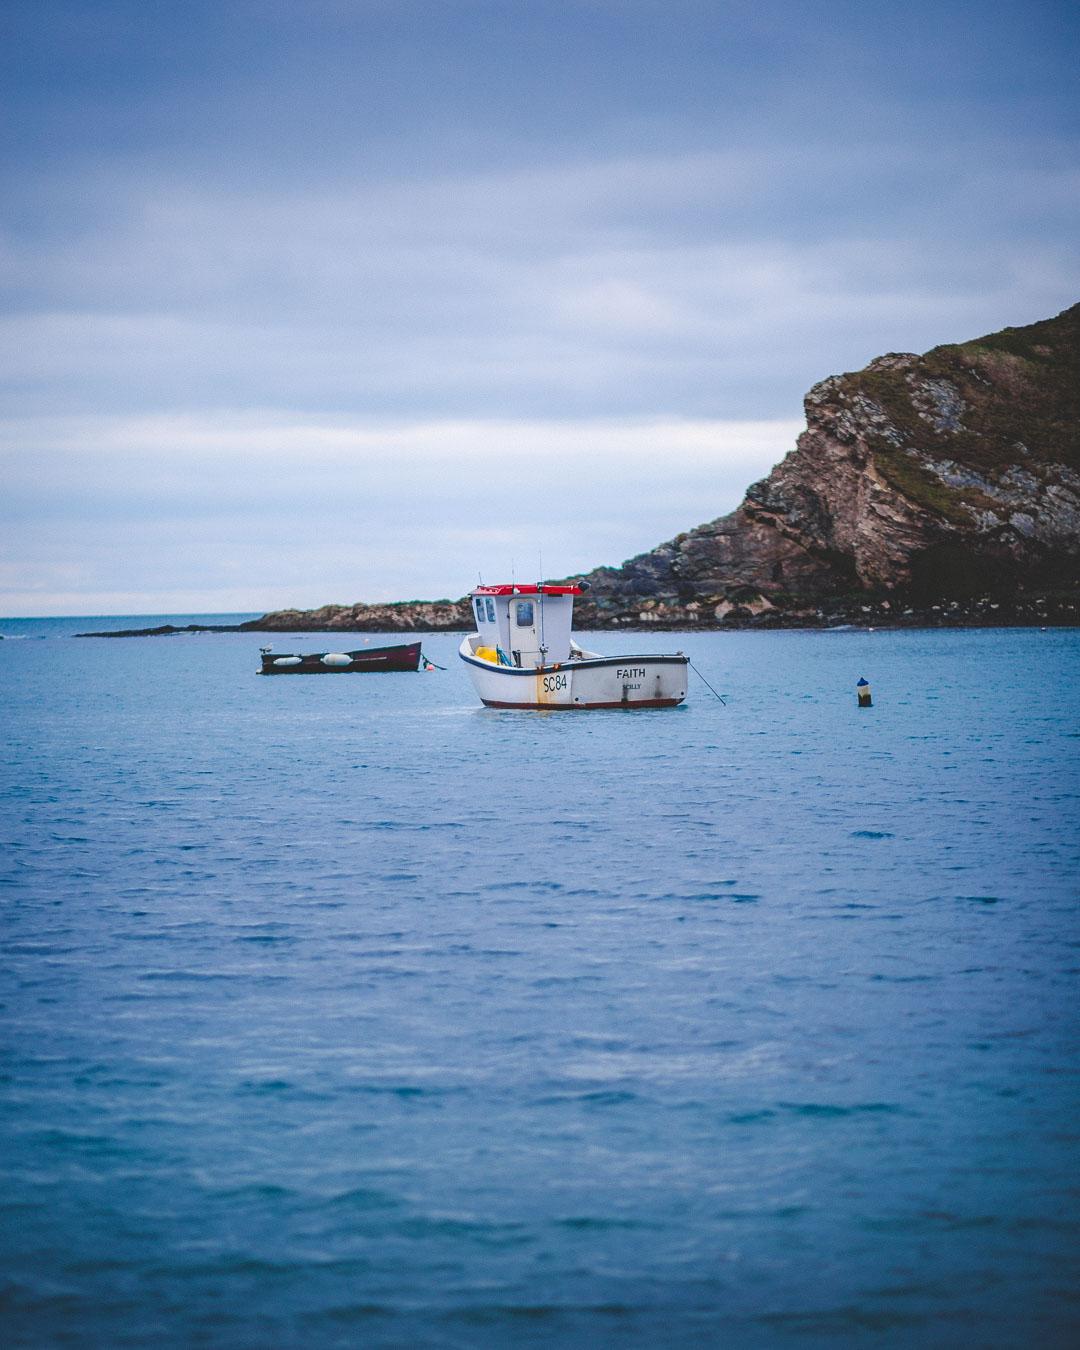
[525, 626]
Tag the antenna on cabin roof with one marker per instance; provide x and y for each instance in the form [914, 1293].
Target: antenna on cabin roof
[540, 599]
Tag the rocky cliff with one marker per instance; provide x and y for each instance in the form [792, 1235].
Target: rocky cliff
[950, 480]
[941, 488]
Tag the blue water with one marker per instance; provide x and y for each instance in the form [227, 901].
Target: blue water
[343, 1012]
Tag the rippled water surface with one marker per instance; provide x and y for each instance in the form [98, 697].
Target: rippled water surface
[345, 1012]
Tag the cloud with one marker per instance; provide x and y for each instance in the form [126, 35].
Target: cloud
[399, 275]
[650, 285]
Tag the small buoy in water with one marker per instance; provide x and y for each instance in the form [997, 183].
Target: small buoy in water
[863, 691]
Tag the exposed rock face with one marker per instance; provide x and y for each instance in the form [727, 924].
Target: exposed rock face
[946, 477]
[942, 488]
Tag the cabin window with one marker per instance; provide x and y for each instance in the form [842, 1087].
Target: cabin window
[491, 611]
[524, 613]
[479, 609]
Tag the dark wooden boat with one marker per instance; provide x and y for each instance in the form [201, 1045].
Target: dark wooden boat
[405, 657]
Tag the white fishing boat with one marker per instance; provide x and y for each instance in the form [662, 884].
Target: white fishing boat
[523, 656]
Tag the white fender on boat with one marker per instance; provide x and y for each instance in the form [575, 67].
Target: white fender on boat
[287, 661]
[336, 659]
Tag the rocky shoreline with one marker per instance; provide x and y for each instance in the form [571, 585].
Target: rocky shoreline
[1055, 610]
[731, 612]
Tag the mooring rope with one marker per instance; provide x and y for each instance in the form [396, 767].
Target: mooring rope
[706, 683]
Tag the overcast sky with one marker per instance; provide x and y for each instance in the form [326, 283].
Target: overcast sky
[330, 300]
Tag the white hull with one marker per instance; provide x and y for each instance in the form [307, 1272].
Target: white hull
[650, 680]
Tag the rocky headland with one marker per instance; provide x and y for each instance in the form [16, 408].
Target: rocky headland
[941, 489]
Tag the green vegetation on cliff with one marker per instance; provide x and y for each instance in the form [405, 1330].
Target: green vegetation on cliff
[991, 403]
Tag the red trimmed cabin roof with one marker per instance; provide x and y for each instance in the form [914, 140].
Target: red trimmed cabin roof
[527, 588]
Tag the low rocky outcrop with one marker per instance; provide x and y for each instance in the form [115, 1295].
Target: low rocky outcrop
[403, 616]
[934, 489]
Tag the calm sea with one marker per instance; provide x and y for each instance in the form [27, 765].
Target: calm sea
[343, 1012]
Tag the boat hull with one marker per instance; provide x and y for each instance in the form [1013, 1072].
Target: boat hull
[366, 661]
[651, 680]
